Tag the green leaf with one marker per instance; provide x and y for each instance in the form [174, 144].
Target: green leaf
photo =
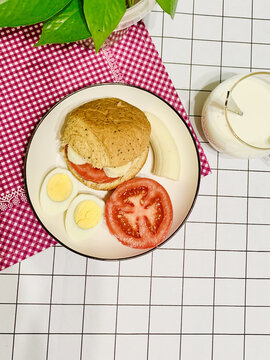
[28, 12]
[169, 6]
[102, 17]
[67, 26]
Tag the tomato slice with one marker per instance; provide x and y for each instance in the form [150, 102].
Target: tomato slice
[89, 172]
[139, 213]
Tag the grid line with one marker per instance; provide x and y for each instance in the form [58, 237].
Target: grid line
[149, 305]
[218, 41]
[217, 198]
[247, 228]
[144, 333]
[258, 68]
[15, 317]
[216, 15]
[50, 306]
[246, 273]
[142, 305]
[116, 310]
[215, 264]
[83, 312]
[182, 297]
[169, 276]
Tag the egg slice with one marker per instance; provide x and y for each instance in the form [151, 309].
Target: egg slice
[83, 216]
[57, 190]
[117, 170]
[74, 157]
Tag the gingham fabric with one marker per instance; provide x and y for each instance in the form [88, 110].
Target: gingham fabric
[32, 80]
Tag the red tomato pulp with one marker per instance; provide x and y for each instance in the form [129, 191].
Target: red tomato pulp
[90, 173]
[139, 213]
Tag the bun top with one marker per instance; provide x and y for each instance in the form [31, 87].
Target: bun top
[107, 132]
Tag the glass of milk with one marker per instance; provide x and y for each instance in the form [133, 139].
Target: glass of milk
[236, 116]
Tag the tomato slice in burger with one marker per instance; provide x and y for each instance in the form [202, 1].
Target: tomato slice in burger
[88, 172]
[139, 213]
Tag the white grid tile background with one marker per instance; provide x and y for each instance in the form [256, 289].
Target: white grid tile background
[205, 294]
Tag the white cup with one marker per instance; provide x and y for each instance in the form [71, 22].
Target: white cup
[245, 135]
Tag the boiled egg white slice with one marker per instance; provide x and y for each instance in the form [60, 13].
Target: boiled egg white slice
[83, 216]
[57, 190]
[74, 157]
[117, 171]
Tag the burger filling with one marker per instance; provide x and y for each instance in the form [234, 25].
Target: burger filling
[117, 170]
[88, 172]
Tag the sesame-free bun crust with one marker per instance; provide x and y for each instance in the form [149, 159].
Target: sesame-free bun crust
[107, 132]
[133, 170]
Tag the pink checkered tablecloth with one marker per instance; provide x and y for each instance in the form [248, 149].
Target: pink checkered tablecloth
[32, 80]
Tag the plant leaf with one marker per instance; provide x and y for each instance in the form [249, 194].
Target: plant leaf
[28, 12]
[102, 17]
[67, 26]
[169, 6]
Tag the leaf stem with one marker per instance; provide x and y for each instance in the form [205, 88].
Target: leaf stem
[130, 3]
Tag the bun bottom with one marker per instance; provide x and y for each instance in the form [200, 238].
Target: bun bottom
[133, 170]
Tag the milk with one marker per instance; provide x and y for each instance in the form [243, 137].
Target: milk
[252, 95]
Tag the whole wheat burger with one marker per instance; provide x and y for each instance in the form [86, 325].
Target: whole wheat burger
[105, 142]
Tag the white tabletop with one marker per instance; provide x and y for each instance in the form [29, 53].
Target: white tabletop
[205, 294]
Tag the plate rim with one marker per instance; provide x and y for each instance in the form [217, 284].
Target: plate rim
[28, 149]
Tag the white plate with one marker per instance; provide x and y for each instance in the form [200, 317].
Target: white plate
[43, 155]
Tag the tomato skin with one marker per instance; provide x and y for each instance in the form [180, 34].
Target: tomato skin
[90, 173]
[139, 213]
